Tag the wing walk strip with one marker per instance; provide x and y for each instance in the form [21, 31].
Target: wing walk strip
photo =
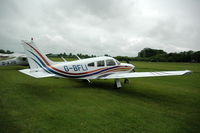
[50, 69]
[145, 74]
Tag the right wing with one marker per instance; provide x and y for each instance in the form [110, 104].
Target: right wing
[143, 74]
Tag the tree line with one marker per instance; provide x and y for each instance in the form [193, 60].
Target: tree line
[6, 51]
[70, 55]
[147, 54]
[155, 55]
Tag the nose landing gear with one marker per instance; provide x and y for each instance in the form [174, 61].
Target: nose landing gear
[126, 81]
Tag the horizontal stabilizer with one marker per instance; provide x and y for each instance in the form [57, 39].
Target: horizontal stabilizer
[39, 74]
[145, 74]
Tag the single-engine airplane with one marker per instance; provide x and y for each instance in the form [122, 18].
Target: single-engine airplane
[13, 59]
[88, 69]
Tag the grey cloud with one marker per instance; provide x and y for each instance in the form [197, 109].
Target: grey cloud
[100, 27]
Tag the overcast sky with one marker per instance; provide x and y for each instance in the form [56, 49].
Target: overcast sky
[114, 27]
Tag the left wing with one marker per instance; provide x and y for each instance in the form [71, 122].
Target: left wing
[144, 74]
[38, 74]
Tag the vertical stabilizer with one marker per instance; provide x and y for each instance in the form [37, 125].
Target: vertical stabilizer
[36, 59]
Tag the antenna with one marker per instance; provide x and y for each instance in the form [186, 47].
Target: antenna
[78, 57]
[63, 59]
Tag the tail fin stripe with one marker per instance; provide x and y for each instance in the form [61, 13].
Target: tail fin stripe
[40, 65]
[53, 71]
[38, 53]
[43, 64]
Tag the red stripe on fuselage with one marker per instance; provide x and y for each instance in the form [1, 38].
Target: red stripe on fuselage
[39, 54]
[47, 63]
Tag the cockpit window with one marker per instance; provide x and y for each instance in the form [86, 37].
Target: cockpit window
[100, 63]
[91, 64]
[110, 62]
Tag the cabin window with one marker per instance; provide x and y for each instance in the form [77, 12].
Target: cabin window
[110, 62]
[100, 63]
[91, 64]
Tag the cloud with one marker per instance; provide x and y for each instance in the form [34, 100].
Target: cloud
[101, 27]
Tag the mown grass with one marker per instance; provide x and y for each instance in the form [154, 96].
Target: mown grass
[145, 105]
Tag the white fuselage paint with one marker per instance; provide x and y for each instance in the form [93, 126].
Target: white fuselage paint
[82, 70]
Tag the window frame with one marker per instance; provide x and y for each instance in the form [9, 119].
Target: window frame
[91, 63]
[101, 65]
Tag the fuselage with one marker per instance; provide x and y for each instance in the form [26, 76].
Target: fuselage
[91, 68]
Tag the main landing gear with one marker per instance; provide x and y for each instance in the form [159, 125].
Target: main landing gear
[118, 85]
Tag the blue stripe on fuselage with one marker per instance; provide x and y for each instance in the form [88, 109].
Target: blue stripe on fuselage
[40, 65]
[69, 76]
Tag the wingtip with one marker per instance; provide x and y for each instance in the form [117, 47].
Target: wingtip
[187, 72]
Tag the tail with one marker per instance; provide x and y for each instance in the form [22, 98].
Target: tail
[36, 59]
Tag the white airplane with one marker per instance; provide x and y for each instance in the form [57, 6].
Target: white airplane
[13, 59]
[90, 68]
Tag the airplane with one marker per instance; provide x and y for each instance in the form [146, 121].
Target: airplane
[13, 59]
[87, 69]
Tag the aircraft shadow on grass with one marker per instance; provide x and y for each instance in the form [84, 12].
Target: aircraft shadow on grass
[130, 91]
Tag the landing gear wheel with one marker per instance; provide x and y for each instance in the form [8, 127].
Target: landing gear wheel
[126, 81]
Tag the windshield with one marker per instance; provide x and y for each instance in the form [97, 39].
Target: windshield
[110, 62]
[118, 63]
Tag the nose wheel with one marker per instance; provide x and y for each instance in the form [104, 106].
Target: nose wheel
[126, 81]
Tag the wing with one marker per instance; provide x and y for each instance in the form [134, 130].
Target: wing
[144, 74]
[39, 74]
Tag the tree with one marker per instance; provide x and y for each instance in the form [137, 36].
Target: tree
[6, 52]
[2, 51]
[196, 56]
[148, 52]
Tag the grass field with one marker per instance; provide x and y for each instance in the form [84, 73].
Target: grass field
[145, 105]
